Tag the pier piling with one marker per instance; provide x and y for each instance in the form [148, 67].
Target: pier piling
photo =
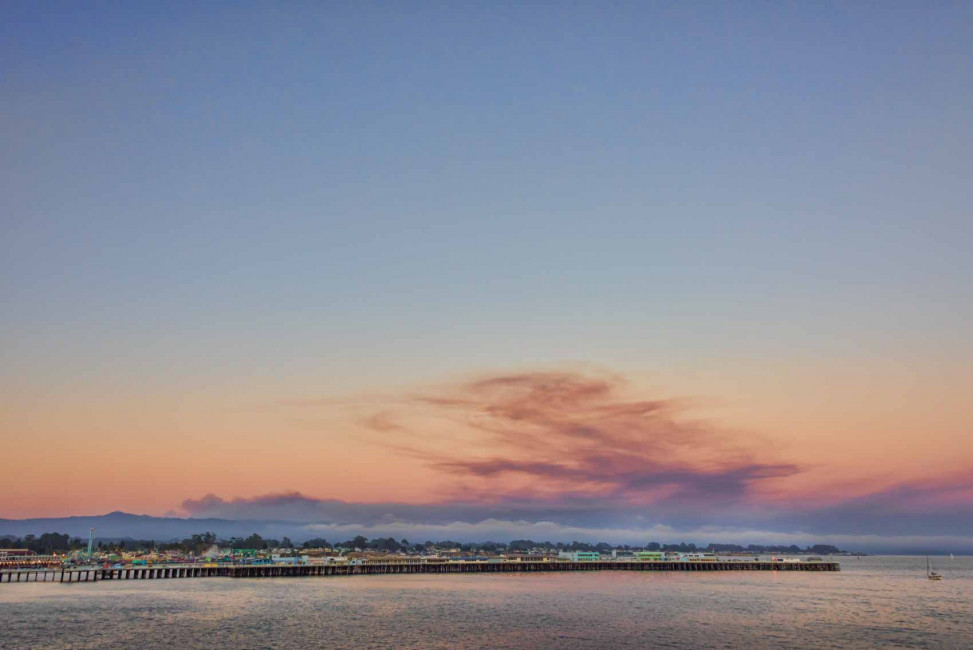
[89, 574]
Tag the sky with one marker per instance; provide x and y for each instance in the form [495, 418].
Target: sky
[576, 268]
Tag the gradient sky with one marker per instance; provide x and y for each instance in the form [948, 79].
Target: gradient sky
[338, 248]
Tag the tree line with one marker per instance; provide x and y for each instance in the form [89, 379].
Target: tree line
[197, 544]
[45, 544]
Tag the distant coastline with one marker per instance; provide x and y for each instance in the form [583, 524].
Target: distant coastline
[196, 545]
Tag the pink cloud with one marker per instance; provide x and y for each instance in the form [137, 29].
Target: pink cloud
[559, 435]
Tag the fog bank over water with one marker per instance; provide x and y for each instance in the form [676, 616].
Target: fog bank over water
[894, 519]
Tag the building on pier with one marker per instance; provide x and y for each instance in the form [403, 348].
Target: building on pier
[580, 556]
[649, 556]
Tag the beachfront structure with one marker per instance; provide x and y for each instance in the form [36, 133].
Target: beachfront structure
[580, 556]
[362, 566]
[699, 557]
[649, 556]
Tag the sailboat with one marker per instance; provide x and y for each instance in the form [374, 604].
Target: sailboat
[932, 575]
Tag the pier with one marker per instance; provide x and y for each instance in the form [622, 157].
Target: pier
[91, 574]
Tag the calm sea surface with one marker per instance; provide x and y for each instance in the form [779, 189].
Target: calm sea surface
[875, 602]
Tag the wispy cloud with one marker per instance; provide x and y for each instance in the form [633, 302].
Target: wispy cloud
[567, 454]
[556, 435]
[937, 506]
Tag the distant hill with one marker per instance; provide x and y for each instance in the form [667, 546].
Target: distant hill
[120, 525]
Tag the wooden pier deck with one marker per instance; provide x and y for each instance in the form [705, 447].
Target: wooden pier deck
[76, 575]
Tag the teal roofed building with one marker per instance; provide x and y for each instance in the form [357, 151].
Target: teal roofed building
[580, 556]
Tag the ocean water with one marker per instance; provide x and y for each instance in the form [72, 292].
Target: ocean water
[874, 602]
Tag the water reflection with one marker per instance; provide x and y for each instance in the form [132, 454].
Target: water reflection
[873, 602]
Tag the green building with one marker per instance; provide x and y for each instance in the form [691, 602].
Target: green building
[649, 556]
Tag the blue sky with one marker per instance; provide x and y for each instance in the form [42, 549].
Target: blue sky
[528, 156]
